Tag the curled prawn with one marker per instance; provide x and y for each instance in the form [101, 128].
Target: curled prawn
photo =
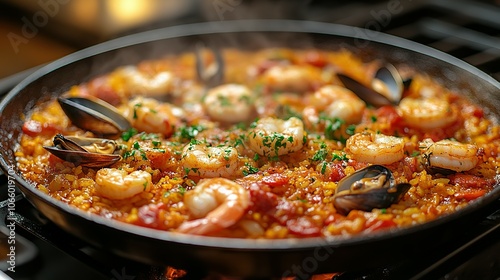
[427, 113]
[149, 115]
[119, 184]
[207, 161]
[335, 102]
[450, 155]
[231, 103]
[375, 148]
[291, 78]
[215, 204]
[276, 137]
[136, 82]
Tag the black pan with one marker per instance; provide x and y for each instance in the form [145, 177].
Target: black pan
[255, 258]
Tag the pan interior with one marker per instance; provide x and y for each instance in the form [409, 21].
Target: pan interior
[58, 77]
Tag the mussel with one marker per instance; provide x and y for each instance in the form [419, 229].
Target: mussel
[368, 188]
[95, 115]
[89, 152]
[386, 89]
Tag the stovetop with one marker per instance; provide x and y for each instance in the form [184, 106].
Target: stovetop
[469, 30]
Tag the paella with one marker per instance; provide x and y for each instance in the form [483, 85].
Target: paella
[276, 143]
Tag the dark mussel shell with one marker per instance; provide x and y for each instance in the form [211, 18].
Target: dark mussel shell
[386, 89]
[368, 188]
[89, 152]
[92, 114]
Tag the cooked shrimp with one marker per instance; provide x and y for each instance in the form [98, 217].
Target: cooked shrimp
[151, 116]
[216, 204]
[291, 78]
[448, 154]
[208, 162]
[229, 103]
[335, 102]
[118, 184]
[427, 113]
[276, 137]
[375, 148]
[136, 82]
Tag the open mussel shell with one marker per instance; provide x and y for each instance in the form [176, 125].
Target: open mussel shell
[389, 83]
[89, 152]
[94, 115]
[386, 89]
[368, 188]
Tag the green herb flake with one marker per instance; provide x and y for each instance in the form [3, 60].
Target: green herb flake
[126, 135]
[182, 190]
[320, 155]
[189, 132]
[224, 101]
[250, 169]
[136, 145]
[350, 129]
[373, 118]
[256, 157]
[342, 157]
[156, 143]
[137, 105]
[323, 167]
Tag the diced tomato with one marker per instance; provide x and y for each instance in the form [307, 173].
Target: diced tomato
[357, 164]
[275, 180]
[410, 167]
[34, 128]
[374, 224]
[473, 110]
[337, 172]
[389, 115]
[315, 59]
[470, 194]
[303, 226]
[148, 215]
[469, 181]
[262, 201]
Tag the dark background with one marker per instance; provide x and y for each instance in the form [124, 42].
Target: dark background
[34, 32]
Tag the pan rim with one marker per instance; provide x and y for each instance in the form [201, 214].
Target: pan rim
[291, 26]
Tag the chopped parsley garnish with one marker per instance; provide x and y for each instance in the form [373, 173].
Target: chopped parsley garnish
[149, 136]
[137, 105]
[321, 153]
[156, 143]
[250, 169]
[189, 132]
[224, 101]
[374, 118]
[342, 157]
[136, 145]
[323, 167]
[350, 129]
[181, 189]
[332, 127]
[126, 135]
[415, 154]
